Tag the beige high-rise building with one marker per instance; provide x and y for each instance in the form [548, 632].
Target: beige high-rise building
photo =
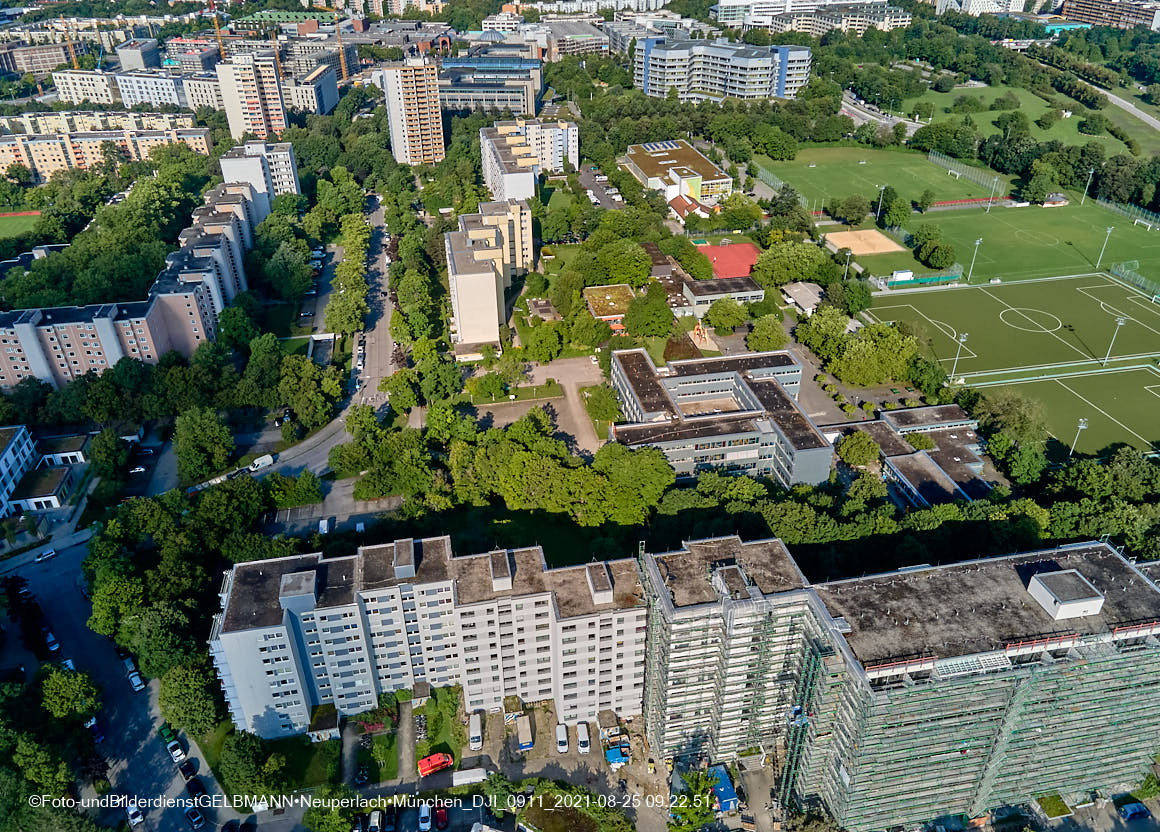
[45, 154]
[412, 94]
[483, 256]
[252, 94]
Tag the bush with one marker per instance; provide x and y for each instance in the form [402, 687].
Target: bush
[908, 402]
[920, 441]
[891, 405]
[830, 388]
[820, 379]
[868, 407]
[849, 409]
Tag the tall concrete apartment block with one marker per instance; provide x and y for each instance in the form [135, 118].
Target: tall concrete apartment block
[200, 279]
[1122, 14]
[295, 633]
[252, 93]
[411, 90]
[515, 153]
[712, 70]
[738, 13]
[489, 249]
[45, 154]
[270, 168]
[143, 53]
[735, 414]
[18, 456]
[902, 697]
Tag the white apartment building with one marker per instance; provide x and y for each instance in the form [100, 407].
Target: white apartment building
[17, 457]
[204, 90]
[411, 90]
[738, 13]
[74, 86]
[315, 92]
[270, 168]
[252, 93]
[79, 121]
[483, 256]
[514, 153]
[704, 70]
[153, 87]
[298, 632]
[502, 22]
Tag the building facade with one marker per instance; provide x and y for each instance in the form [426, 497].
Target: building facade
[78, 121]
[153, 87]
[252, 93]
[315, 92]
[17, 457]
[45, 154]
[483, 255]
[701, 70]
[740, 13]
[144, 53]
[298, 632]
[411, 90]
[678, 169]
[271, 168]
[857, 19]
[74, 86]
[515, 153]
[39, 60]
[1122, 14]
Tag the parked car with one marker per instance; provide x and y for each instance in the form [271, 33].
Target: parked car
[133, 813]
[376, 821]
[441, 818]
[324, 526]
[195, 787]
[95, 729]
[166, 733]
[145, 451]
[50, 641]
[136, 682]
[187, 769]
[424, 817]
[140, 469]
[194, 818]
[582, 743]
[176, 752]
[41, 557]
[1134, 811]
[561, 738]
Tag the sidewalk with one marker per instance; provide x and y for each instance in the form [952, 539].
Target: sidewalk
[58, 543]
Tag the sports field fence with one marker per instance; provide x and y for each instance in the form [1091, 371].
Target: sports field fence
[1128, 273]
[1138, 215]
[982, 178]
[776, 182]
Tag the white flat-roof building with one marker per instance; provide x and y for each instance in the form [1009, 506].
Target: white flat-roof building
[269, 166]
[514, 153]
[712, 70]
[17, 457]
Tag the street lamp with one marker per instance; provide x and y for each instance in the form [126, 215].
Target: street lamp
[846, 273]
[970, 273]
[991, 198]
[1091, 173]
[1082, 427]
[1119, 323]
[1100, 259]
[958, 351]
[881, 193]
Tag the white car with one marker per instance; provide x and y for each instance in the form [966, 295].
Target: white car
[133, 813]
[561, 738]
[45, 555]
[583, 745]
[424, 817]
[136, 682]
[176, 752]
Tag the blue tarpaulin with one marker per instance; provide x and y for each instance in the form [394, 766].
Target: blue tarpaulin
[617, 755]
[723, 789]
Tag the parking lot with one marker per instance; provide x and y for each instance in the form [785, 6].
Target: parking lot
[604, 194]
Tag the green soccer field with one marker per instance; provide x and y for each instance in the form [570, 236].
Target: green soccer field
[1033, 242]
[15, 226]
[1020, 333]
[839, 172]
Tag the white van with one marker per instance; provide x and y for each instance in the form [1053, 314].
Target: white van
[582, 743]
[324, 525]
[475, 732]
[468, 776]
[561, 738]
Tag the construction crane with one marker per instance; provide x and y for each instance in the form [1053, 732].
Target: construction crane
[338, 34]
[273, 34]
[72, 52]
[217, 30]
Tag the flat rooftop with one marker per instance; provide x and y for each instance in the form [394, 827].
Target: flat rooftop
[687, 573]
[732, 363]
[40, 482]
[608, 301]
[723, 286]
[785, 413]
[656, 159]
[642, 376]
[915, 418]
[696, 428]
[924, 476]
[888, 439]
[981, 606]
[254, 594]
[59, 444]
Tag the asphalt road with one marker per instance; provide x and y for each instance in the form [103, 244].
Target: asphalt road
[379, 345]
[1125, 104]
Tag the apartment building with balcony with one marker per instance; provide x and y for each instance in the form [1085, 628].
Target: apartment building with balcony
[155, 87]
[270, 167]
[84, 121]
[315, 91]
[45, 154]
[515, 153]
[1122, 14]
[18, 456]
[75, 86]
[712, 70]
[298, 632]
[411, 90]
[251, 90]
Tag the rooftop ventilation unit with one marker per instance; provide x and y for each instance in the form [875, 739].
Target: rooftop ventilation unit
[1066, 594]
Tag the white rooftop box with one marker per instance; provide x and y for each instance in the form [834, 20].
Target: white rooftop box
[1066, 594]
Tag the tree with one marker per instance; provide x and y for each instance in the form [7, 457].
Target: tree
[784, 263]
[692, 808]
[401, 389]
[649, 314]
[308, 390]
[109, 455]
[330, 812]
[288, 271]
[625, 262]
[925, 200]
[41, 765]
[545, 343]
[66, 693]
[937, 255]
[1040, 183]
[852, 210]
[235, 328]
[856, 296]
[247, 766]
[160, 636]
[928, 232]
[896, 212]
[203, 444]
[603, 404]
[858, 449]
[188, 698]
[767, 334]
[725, 315]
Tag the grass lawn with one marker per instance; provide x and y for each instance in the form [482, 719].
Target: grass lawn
[211, 745]
[549, 390]
[1053, 806]
[15, 226]
[281, 319]
[1023, 243]
[445, 733]
[1065, 130]
[837, 172]
[563, 254]
[382, 759]
[598, 425]
[308, 764]
[296, 346]
[1021, 332]
[559, 198]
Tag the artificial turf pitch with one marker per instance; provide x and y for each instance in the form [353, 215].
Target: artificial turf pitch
[1049, 339]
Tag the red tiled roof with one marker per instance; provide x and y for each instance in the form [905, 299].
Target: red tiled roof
[732, 260]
